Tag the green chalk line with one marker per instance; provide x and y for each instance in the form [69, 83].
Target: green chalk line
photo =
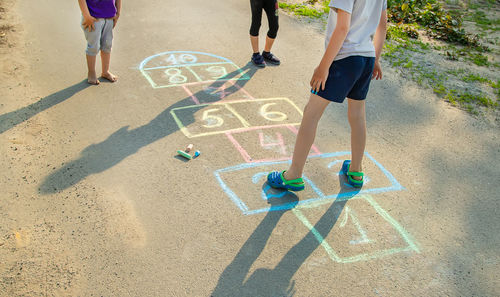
[412, 246]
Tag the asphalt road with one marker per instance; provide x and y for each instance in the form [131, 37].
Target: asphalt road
[96, 202]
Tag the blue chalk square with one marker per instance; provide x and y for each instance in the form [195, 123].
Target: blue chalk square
[246, 186]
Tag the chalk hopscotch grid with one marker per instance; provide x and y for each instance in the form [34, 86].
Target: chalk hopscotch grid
[246, 156]
[189, 65]
[226, 104]
[395, 186]
[145, 61]
[197, 101]
[144, 70]
[411, 244]
[309, 203]
[243, 76]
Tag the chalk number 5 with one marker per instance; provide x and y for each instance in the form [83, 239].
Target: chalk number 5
[212, 120]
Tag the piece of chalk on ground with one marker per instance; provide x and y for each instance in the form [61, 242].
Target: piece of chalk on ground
[197, 153]
[189, 148]
[184, 154]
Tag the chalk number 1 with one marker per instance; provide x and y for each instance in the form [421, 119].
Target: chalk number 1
[349, 213]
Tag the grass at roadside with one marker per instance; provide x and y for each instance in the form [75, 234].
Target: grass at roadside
[434, 67]
[314, 9]
[451, 47]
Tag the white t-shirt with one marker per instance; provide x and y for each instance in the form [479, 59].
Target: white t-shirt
[365, 16]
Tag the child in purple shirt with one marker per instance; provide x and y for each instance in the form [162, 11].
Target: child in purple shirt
[99, 19]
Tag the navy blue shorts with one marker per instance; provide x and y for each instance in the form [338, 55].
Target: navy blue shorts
[349, 77]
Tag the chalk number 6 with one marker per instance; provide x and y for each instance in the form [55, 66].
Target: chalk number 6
[274, 116]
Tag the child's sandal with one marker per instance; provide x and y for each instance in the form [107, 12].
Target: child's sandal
[276, 180]
[353, 182]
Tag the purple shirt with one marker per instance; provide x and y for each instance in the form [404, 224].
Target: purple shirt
[104, 9]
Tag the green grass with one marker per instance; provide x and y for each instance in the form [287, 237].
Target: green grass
[468, 101]
[474, 55]
[479, 17]
[397, 53]
[408, 65]
[456, 72]
[304, 10]
[403, 43]
[478, 59]
[440, 89]
[496, 88]
[437, 21]
[475, 78]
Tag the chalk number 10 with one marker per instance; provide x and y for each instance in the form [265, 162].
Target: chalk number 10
[181, 59]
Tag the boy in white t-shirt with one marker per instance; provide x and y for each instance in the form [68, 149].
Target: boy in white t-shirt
[355, 36]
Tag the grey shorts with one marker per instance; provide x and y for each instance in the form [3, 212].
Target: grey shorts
[101, 38]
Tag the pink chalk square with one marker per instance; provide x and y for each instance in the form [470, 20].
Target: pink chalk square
[265, 144]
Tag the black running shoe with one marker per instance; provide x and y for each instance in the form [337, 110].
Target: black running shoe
[258, 60]
[270, 58]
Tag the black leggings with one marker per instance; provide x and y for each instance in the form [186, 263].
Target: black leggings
[271, 8]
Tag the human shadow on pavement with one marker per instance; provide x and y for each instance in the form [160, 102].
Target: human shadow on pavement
[124, 142]
[14, 118]
[278, 281]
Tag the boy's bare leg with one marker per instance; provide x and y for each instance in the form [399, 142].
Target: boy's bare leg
[105, 60]
[254, 40]
[92, 76]
[307, 132]
[269, 44]
[357, 121]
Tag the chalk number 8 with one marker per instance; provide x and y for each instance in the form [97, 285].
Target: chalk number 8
[175, 76]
